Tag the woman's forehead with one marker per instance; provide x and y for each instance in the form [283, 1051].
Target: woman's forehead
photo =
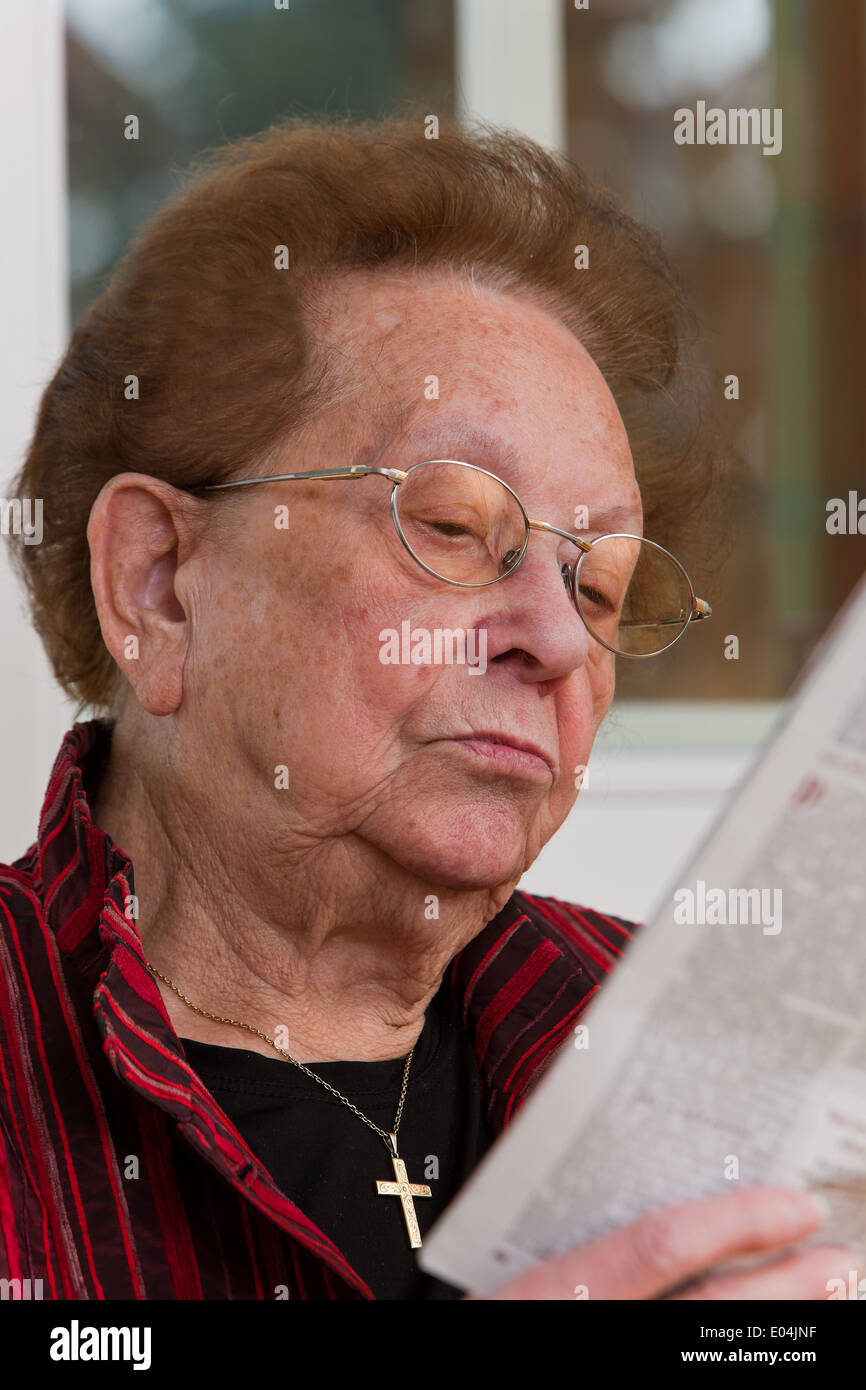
[408, 314]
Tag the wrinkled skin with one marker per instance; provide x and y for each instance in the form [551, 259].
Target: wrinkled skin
[308, 906]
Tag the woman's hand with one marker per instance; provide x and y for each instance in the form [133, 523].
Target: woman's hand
[656, 1255]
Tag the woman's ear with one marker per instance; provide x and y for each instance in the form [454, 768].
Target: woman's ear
[140, 534]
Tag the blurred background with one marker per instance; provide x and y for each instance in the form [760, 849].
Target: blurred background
[771, 249]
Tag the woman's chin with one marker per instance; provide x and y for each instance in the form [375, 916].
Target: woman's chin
[469, 863]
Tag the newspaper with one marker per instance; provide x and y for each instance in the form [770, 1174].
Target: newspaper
[729, 1045]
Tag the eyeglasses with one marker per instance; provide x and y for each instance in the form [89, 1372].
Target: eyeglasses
[465, 526]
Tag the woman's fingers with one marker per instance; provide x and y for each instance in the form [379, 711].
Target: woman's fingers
[670, 1245]
[803, 1276]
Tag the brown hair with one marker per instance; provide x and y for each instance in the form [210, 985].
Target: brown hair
[225, 351]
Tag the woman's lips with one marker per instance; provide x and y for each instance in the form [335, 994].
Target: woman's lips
[500, 752]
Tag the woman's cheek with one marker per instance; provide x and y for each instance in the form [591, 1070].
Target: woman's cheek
[602, 698]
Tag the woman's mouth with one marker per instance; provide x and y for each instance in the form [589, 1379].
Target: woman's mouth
[508, 755]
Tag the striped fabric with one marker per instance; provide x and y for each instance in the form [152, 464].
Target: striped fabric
[120, 1176]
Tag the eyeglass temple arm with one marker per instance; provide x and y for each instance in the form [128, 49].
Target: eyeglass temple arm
[701, 610]
[358, 470]
[396, 475]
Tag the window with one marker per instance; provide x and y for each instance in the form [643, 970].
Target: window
[772, 249]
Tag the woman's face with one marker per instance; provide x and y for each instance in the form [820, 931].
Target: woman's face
[284, 664]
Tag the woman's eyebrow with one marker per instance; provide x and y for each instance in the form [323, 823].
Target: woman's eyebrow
[449, 436]
[454, 436]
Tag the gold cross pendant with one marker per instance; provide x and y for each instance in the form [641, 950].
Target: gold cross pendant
[405, 1190]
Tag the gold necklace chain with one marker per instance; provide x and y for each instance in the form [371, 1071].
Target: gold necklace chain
[236, 1023]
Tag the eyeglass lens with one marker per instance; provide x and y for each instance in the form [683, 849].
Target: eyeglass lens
[467, 527]
[460, 523]
[632, 595]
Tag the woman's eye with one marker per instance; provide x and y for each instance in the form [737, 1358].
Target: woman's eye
[596, 596]
[453, 527]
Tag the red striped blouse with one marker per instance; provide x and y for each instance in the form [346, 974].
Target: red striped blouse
[120, 1176]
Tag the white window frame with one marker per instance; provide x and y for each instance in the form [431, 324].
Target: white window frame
[34, 315]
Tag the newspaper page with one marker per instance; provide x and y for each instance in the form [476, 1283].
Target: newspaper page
[729, 1044]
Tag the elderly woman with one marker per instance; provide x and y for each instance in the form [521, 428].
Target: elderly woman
[343, 538]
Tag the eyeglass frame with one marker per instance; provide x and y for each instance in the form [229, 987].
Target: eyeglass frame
[700, 608]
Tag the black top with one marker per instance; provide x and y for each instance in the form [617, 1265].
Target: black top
[326, 1160]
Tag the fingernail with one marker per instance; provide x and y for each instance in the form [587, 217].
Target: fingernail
[820, 1205]
[808, 1206]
